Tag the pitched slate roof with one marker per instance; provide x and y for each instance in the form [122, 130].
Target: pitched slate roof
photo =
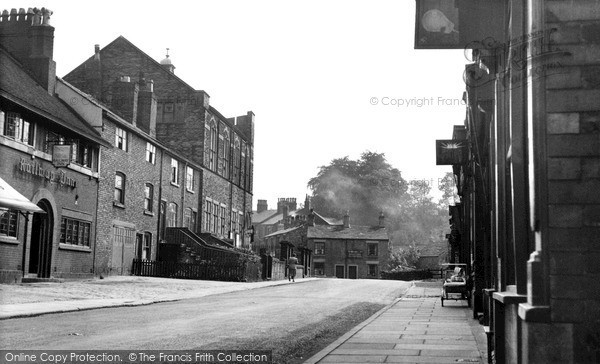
[18, 86]
[353, 232]
[285, 231]
[260, 217]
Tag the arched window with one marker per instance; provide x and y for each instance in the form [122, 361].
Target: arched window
[172, 214]
[119, 188]
[225, 154]
[213, 146]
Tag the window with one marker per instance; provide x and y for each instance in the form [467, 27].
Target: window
[148, 197]
[147, 246]
[174, 171]
[16, 128]
[240, 222]
[225, 155]
[222, 225]
[121, 139]
[120, 188]
[8, 223]
[372, 249]
[207, 216]
[319, 268]
[189, 179]
[172, 214]
[215, 217]
[236, 161]
[150, 153]
[320, 248]
[189, 219]
[372, 270]
[213, 147]
[75, 232]
[82, 153]
[234, 221]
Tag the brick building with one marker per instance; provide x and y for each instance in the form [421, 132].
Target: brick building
[185, 123]
[529, 218]
[48, 154]
[329, 249]
[144, 186]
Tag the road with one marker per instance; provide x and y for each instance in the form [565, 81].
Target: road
[224, 321]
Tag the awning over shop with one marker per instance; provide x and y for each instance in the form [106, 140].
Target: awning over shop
[10, 198]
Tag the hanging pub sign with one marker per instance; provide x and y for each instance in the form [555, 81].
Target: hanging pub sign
[449, 152]
[459, 24]
[436, 24]
[61, 155]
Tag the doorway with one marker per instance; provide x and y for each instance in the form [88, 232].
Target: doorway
[352, 271]
[339, 271]
[42, 229]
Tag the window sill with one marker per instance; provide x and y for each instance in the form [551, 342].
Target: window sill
[175, 184]
[9, 240]
[190, 191]
[149, 213]
[118, 204]
[508, 297]
[531, 313]
[78, 248]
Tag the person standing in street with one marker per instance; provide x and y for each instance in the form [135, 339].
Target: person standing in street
[292, 263]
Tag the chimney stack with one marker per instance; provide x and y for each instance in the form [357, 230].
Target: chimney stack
[346, 220]
[262, 206]
[94, 75]
[124, 98]
[146, 106]
[310, 221]
[285, 211]
[29, 37]
[381, 219]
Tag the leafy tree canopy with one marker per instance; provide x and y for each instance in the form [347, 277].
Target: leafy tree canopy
[364, 188]
[370, 185]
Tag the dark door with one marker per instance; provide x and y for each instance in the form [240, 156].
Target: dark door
[162, 220]
[139, 245]
[339, 271]
[40, 255]
[352, 272]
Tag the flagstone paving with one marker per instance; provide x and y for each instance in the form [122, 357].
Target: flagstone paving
[414, 329]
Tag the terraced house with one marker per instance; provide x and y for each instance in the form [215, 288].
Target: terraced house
[185, 123]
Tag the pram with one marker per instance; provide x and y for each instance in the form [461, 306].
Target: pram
[455, 285]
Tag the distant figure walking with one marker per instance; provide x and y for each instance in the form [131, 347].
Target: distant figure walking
[291, 263]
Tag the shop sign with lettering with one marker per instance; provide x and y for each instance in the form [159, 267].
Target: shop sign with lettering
[36, 169]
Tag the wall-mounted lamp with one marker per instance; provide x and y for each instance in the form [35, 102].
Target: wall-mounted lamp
[76, 199]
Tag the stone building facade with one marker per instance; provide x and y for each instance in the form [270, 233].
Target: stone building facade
[529, 218]
[185, 123]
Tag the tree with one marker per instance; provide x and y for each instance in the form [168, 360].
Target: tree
[364, 188]
[369, 185]
[448, 187]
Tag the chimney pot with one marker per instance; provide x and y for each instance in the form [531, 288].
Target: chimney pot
[381, 219]
[346, 220]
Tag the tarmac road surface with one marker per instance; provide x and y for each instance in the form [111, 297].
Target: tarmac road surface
[211, 322]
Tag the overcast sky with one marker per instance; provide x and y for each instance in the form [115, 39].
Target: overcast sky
[310, 70]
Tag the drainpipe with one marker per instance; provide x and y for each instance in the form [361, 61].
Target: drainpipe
[159, 200]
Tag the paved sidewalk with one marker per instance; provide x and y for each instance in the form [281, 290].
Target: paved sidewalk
[413, 329]
[34, 299]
